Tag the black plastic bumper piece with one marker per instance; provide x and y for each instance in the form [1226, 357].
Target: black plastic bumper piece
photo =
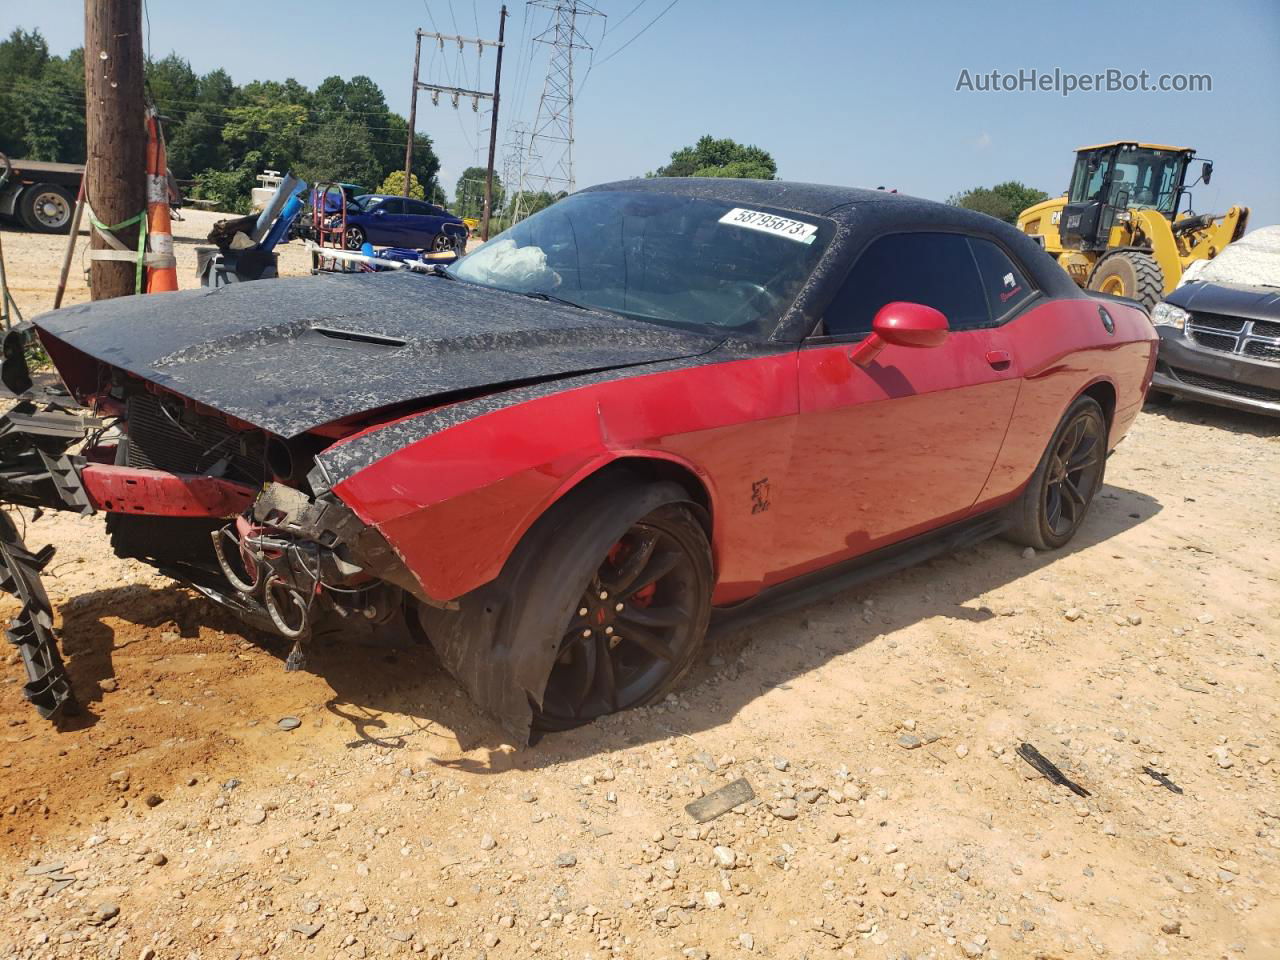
[48, 688]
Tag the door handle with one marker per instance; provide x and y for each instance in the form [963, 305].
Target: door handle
[999, 359]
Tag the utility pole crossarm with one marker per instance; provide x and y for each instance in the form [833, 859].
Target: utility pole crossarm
[456, 91]
[461, 41]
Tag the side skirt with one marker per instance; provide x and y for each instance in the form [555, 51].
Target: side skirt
[807, 590]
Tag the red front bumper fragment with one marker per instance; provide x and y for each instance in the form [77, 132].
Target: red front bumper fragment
[117, 489]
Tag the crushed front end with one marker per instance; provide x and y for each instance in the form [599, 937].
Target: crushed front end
[208, 500]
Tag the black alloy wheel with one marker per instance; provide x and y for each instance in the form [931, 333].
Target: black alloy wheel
[353, 239]
[1074, 471]
[441, 243]
[637, 626]
[1070, 473]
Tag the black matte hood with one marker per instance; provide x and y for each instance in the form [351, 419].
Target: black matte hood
[1229, 299]
[293, 354]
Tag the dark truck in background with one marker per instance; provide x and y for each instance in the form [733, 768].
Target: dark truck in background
[39, 195]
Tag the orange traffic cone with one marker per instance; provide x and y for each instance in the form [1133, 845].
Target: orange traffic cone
[162, 270]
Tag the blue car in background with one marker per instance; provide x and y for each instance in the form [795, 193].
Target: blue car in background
[387, 221]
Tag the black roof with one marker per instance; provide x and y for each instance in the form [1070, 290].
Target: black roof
[816, 198]
[862, 215]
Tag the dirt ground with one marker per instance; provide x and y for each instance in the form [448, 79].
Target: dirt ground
[892, 817]
[33, 261]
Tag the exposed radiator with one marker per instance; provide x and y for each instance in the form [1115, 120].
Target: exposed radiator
[163, 435]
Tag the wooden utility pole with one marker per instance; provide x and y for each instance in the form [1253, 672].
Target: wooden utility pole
[413, 118]
[493, 127]
[457, 94]
[115, 134]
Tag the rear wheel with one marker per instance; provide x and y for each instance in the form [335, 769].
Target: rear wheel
[1131, 274]
[1057, 499]
[639, 600]
[46, 208]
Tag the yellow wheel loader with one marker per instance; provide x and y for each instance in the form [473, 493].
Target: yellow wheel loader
[1120, 227]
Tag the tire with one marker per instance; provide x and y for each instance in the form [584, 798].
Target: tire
[46, 208]
[608, 660]
[1132, 274]
[353, 239]
[442, 243]
[1055, 503]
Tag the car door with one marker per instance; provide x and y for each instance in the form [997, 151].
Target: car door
[386, 222]
[905, 444]
[426, 223]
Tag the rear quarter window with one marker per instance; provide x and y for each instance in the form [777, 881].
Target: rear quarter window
[1004, 283]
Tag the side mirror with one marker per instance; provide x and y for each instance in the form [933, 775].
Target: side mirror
[1206, 171]
[904, 325]
[379, 213]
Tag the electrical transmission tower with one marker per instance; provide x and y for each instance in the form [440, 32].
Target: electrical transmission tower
[513, 158]
[548, 155]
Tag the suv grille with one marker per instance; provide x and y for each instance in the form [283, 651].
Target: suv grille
[1250, 338]
[164, 435]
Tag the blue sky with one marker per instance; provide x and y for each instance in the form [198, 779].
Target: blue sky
[839, 92]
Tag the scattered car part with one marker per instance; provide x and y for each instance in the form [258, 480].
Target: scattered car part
[719, 802]
[1161, 779]
[1047, 769]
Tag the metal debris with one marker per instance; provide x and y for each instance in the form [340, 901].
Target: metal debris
[1161, 779]
[721, 801]
[1050, 772]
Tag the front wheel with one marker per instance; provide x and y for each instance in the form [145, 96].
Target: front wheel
[640, 601]
[1132, 274]
[442, 243]
[353, 239]
[1056, 500]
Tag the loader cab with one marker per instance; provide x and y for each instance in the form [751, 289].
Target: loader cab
[1115, 177]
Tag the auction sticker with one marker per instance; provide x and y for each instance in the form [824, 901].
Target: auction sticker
[768, 223]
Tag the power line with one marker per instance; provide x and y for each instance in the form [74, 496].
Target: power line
[626, 16]
[641, 33]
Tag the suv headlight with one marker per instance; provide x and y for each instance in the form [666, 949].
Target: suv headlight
[1168, 315]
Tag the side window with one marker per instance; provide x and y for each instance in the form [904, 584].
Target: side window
[935, 269]
[419, 209]
[1006, 285]
[392, 205]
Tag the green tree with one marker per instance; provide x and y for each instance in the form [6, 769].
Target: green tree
[215, 88]
[228, 189]
[1004, 201]
[173, 85]
[23, 57]
[269, 127]
[394, 185]
[340, 151]
[537, 200]
[389, 149]
[720, 158]
[469, 192]
[195, 144]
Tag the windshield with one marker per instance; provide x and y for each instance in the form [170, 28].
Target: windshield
[362, 204]
[1148, 178]
[674, 260]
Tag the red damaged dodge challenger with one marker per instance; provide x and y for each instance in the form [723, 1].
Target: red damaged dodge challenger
[654, 405]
